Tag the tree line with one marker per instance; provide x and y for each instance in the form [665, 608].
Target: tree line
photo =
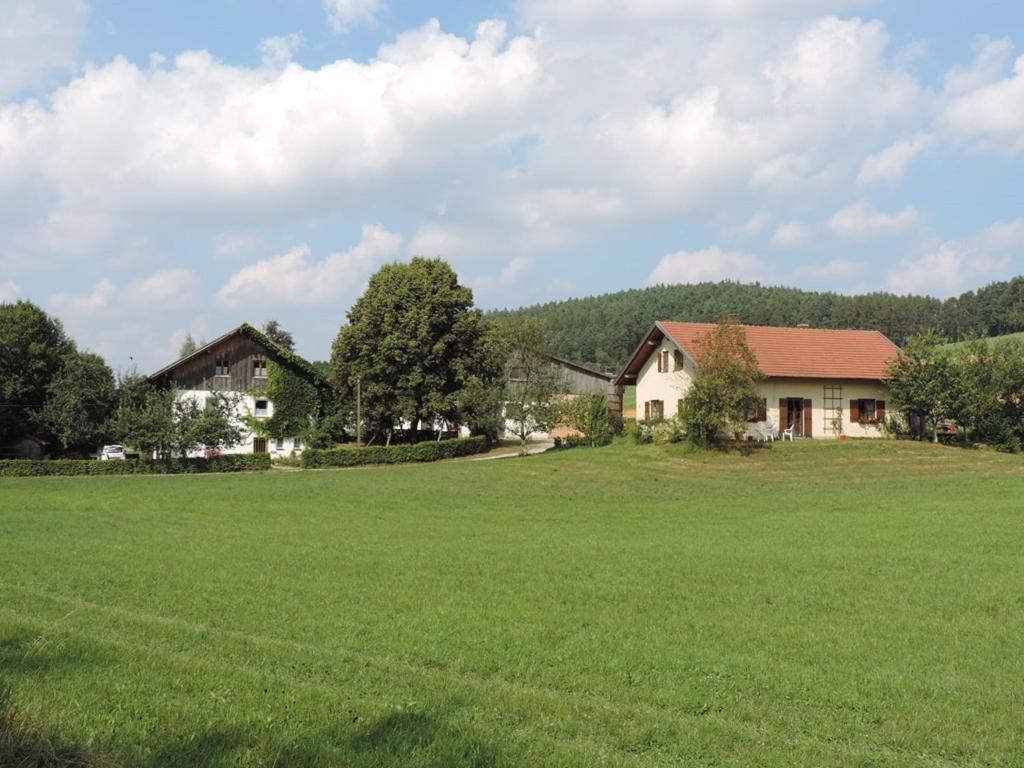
[415, 356]
[602, 331]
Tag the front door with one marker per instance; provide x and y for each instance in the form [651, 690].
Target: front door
[795, 415]
[259, 445]
[795, 412]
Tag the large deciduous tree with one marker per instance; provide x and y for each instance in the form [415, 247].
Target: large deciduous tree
[32, 350]
[724, 388]
[79, 402]
[923, 383]
[411, 345]
[534, 385]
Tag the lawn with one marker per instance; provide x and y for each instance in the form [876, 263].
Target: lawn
[815, 604]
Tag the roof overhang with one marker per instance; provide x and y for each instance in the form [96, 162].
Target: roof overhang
[627, 376]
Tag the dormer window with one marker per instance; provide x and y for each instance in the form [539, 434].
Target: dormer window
[222, 367]
[259, 368]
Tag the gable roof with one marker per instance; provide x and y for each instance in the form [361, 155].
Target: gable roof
[793, 353]
[281, 355]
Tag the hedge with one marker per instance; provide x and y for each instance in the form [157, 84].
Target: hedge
[394, 454]
[70, 467]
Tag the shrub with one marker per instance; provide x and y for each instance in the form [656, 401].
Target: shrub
[669, 431]
[394, 454]
[70, 467]
[642, 432]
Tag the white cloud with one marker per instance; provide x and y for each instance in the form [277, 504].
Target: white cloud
[958, 265]
[164, 290]
[753, 226]
[1001, 236]
[237, 243]
[860, 220]
[8, 292]
[992, 115]
[445, 242]
[510, 274]
[989, 65]
[38, 37]
[98, 299]
[791, 235]
[779, 123]
[278, 51]
[294, 278]
[891, 163]
[949, 269]
[709, 264]
[831, 271]
[199, 135]
[345, 14]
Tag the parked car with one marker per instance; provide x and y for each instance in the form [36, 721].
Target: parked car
[112, 453]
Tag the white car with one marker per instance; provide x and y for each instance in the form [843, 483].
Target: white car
[112, 453]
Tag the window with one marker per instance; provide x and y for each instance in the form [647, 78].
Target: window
[517, 374]
[259, 368]
[759, 412]
[664, 356]
[262, 408]
[222, 367]
[680, 360]
[654, 410]
[867, 411]
[279, 444]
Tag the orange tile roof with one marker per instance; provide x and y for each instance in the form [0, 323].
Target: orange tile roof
[811, 353]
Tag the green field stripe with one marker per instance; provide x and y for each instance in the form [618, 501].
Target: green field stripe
[611, 712]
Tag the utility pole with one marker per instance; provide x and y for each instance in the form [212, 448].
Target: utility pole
[359, 412]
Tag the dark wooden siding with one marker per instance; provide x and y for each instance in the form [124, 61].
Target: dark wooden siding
[200, 372]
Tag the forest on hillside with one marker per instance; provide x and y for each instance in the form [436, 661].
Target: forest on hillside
[602, 331]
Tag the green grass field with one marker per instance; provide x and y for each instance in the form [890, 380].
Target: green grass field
[818, 604]
[990, 341]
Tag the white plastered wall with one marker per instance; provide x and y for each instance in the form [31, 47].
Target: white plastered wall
[668, 386]
[246, 406]
[671, 386]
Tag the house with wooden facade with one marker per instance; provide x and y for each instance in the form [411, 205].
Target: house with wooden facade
[820, 383]
[237, 363]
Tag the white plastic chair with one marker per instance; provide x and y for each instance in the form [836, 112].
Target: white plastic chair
[788, 433]
[768, 436]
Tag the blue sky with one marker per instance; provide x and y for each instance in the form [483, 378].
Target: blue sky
[173, 168]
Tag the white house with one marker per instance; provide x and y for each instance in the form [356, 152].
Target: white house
[822, 383]
[237, 364]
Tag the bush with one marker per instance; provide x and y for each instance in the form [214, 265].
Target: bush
[669, 431]
[642, 433]
[394, 454]
[581, 441]
[69, 467]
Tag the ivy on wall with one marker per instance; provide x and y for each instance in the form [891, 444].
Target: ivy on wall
[296, 402]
